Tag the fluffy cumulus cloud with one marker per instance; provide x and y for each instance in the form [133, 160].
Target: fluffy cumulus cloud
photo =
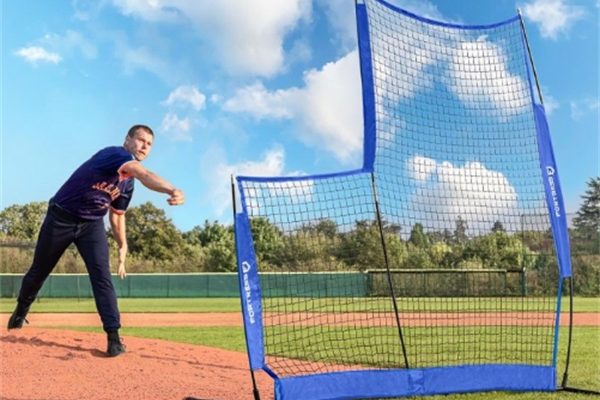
[175, 128]
[35, 55]
[185, 99]
[261, 103]
[53, 47]
[479, 195]
[247, 36]
[341, 16]
[186, 95]
[327, 108]
[217, 172]
[553, 17]
[479, 75]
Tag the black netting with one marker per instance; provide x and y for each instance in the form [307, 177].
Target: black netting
[462, 219]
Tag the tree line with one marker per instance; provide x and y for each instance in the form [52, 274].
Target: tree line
[157, 245]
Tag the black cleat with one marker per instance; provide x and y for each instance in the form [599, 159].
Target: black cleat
[16, 320]
[115, 347]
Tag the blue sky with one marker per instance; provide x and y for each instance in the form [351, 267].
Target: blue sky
[266, 87]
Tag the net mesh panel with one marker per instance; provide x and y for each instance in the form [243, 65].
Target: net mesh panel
[456, 153]
[457, 174]
[315, 318]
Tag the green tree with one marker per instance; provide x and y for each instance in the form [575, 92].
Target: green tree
[587, 221]
[418, 237]
[210, 232]
[362, 249]
[151, 235]
[498, 227]
[268, 240]
[22, 222]
[460, 230]
[327, 227]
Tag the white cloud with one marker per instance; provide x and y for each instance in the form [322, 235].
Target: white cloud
[142, 58]
[247, 36]
[580, 108]
[217, 174]
[186, 95]
[85, 10]
[478, 195]
[327, 109]
[69, 42]
[423, 8]
[479, 75]
[175, 128]
[552, 16]
[256, 100]
[341, 16]
[421, 168]
[550, 104]
[36, 54]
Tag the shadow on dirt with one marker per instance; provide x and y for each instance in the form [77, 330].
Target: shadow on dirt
[35, 341]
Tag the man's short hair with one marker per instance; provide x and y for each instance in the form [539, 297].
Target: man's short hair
[135, 128]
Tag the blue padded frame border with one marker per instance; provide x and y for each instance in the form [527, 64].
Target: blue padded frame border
[416, 382]
[554, 198]
[241, 179]
[368, 88]
[549, 171]
[250, 291]
[446, 24]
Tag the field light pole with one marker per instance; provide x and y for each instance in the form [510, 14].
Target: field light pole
[254, 387]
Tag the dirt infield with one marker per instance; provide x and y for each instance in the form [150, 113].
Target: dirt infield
[381, 319]
[50, 364]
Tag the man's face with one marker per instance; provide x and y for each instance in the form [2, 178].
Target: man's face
[140, 144]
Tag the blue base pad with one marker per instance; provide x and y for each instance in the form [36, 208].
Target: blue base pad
[416, 382]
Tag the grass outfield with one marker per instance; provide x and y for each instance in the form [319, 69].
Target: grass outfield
[584, 369]
[171, 305]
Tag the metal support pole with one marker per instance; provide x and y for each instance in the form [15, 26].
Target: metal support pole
[535, 75]
[387, 267]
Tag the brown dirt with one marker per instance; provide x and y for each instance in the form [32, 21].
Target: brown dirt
[50, 364]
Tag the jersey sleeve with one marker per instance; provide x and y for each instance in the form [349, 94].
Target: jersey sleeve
[120, 204]
[112, 159]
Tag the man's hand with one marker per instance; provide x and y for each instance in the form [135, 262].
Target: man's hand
[122, 272]
[122, 255]
[177, 197]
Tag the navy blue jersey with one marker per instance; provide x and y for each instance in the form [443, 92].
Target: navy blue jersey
[97, 185]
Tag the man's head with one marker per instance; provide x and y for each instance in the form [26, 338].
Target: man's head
[139, 141]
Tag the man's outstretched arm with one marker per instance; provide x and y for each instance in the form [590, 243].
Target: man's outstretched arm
[153, 181]
[117, 223]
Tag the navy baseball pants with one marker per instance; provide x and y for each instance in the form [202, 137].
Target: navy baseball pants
[58, 231]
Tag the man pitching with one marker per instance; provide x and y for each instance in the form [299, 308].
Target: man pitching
[102, 184]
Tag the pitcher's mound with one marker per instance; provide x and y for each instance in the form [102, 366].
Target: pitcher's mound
[53, 364]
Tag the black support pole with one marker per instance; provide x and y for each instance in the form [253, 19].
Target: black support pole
[535, 75]
[387, 267]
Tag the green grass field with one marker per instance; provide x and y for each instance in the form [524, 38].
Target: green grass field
[170, 305]
[584, 370]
